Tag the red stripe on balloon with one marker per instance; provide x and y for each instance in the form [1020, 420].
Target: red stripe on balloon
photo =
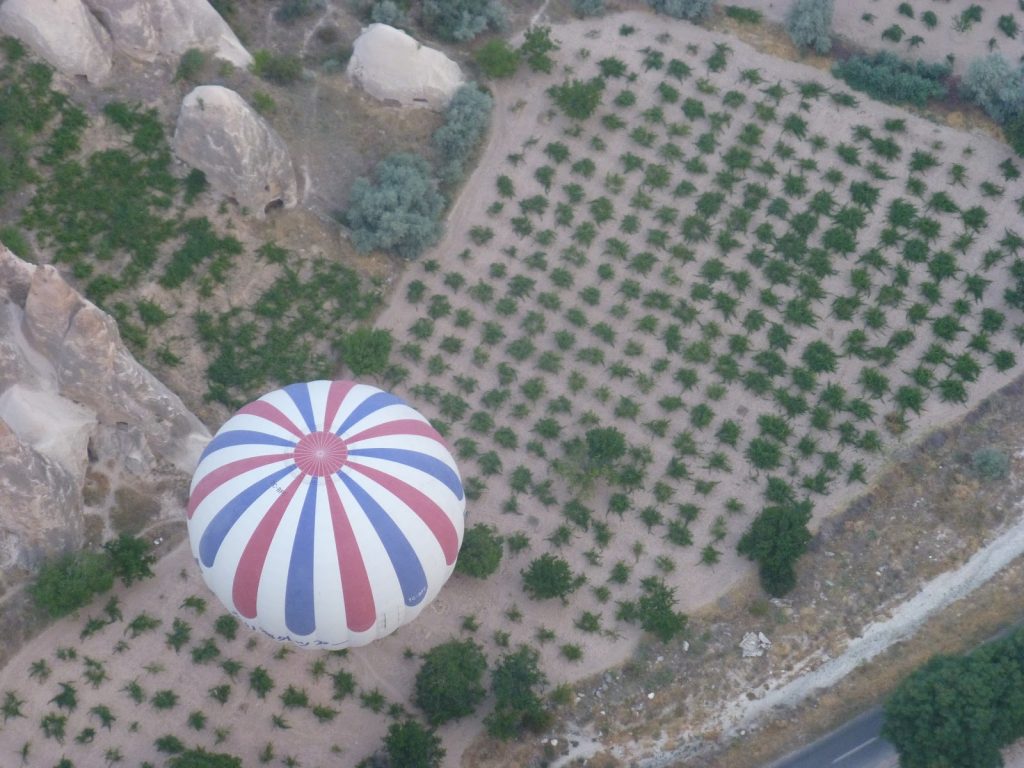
[229, 472]
[250, 566]
[424, 507]
[271, 413]
[335, 395]
[397, 427]
[360, 608]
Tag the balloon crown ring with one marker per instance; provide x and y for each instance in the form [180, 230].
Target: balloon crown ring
[320, 453]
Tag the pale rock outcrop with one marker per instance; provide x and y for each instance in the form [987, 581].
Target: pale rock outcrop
[71, 395]
[241, 155]
[148, 29]
[392, 66]
[754, 644]
[41, 512]
[62, 32]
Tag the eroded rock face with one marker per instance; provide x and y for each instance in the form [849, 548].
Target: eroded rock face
[241, 155]
[72, 398]
[392, 66]
[148, 29]
[62, 32]
[41, 511]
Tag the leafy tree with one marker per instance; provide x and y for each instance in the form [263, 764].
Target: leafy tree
[514, 682]
[578, 98]
[537, 44]
[200, 758]
[409, 745]
[776, 540]
[549, 576]
[694, 10]
[448, 685]
[130, 558]
[997, 87]
[497, 58]
[585, 8]
[366, 351]
[948, 713]
[459, 20]
[399, 212]
[481, 551]
[465, 122]
[809, 23]
[655, 610]
[70, 581]
[605, 447]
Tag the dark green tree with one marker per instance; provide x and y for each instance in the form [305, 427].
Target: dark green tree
[131, 558]
[366, 351]
[549, 576]
[481, 551]
[459, 20]
[497, 58]
[466, 119]
[536, 49]
[448, 685]
[411, 745]
[578, 99]
[70, 581]
[776, 540]
[516, 682]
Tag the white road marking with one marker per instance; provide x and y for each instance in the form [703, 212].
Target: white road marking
[854, 750]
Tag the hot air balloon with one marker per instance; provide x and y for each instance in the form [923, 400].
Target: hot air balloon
[326, 514]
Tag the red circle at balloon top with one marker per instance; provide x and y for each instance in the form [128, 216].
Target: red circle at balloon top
[328, 513]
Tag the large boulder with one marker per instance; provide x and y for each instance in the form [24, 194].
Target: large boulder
[62, 32]
[241, 155]
[74, 403]
[393, 67]
[148, 29]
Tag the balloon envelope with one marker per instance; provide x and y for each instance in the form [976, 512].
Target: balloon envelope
[327, 513]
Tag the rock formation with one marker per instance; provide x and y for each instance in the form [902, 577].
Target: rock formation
[148, 29]
[62, 32]
[392, 66]
[754, 644]
[73, 400]
[241, 155]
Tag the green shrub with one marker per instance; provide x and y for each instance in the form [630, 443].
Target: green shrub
[809, 24]
[465, 123]
[69, 582]
[388, 12]
[457, 21]
[281, 69]
[15, 239]
[536, 47]
[990, 463]
[191, 65]
[200, 758]
[694, 10]
[290, 10]
[578, 99]
[996, 86]
[549, 576]
[130, 558]
[515, 682]
[400, 211]
[588, 8]
[745, 15]
[887, 77]
[366, 351]
[448, 685]
[497, 58]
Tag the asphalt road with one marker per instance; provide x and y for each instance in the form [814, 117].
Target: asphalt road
[856, 744]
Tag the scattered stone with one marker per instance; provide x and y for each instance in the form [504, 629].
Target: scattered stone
[242, 156]
[754, 644]
[393, 67]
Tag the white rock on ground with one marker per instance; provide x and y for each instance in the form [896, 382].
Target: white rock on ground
[392, 66]
[62, 32]
[71, 394]
[148, 29]
[241, 155]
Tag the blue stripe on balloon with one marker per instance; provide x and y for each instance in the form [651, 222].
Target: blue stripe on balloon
[244, 437]
[225, 519]
[369, 405]
[404, 559]
[299, 393]
[299, 612]
[421, 461]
